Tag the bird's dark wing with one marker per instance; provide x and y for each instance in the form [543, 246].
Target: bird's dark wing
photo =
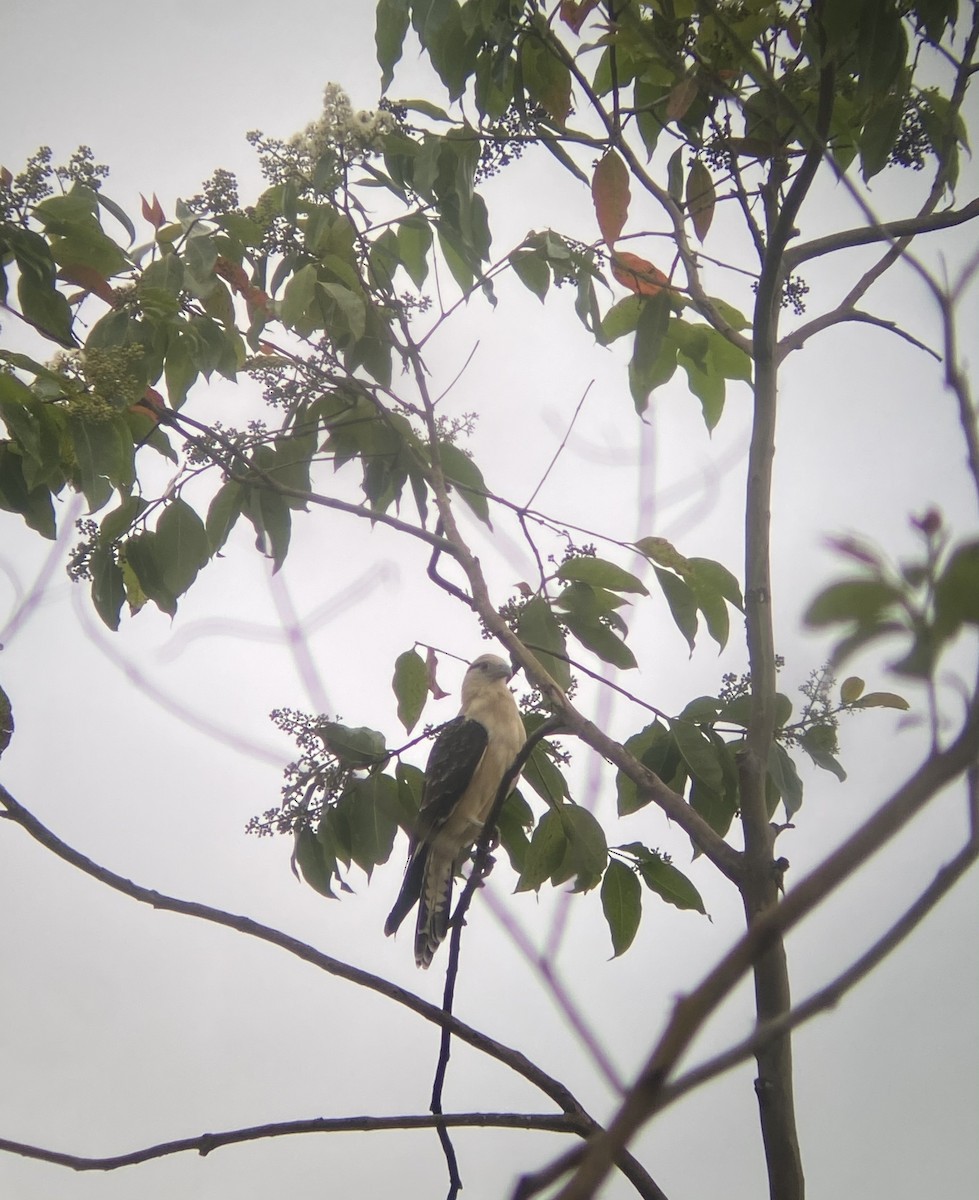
[454, 758]
[451, 764]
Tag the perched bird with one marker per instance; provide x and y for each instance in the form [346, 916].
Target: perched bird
[465, 769]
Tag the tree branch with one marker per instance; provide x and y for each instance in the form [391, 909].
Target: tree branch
[551, 1087]
[205, 1143]
[644, 1098]
[886, 231]
[798, 338]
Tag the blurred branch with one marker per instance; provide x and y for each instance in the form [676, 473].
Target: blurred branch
[830, 995]
[646, 1096]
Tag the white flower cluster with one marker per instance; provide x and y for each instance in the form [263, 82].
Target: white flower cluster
[340, 126]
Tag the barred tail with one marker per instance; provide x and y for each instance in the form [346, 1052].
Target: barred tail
[434, 904]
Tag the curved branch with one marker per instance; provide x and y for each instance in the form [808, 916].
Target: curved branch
[205, 1143]
[517, 1062]
[886, 231]
[798, 338]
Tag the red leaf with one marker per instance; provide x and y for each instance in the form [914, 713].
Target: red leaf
[610, 192]
[431, 663]
[152, 212]
[638, 274]
[89, 279]
[574, 12]
[256, 300]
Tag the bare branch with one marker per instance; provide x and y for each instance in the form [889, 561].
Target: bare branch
[552, 1088]
[798, 338]
[205, 1143]
[887, 231]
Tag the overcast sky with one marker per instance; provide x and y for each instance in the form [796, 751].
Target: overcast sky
[149, 749]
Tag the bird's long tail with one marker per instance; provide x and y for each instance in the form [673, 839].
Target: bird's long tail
[434, 904]
[407, 897]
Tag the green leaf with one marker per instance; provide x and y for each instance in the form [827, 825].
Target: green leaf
[33, 503]
[371, 807]
[538, 629]
[621, 318]
[682, 602]
[670, 884]
[347, 309]
[312, 863]
[104, 453]
[957, 591]
[512, 824]
[298, 297]
[532, 269]
[858, 600]
[652, 363]
[851, 689]
[119, 522]
[414, 244]
[271, 519]
[601, 640]
[622, 905]
[599, 573]
[879, 134]
[142, 557]
[652, 746]
[542, 773]
[783, 774]
[586, 856]
[717, 808]
[819, 742]
[546, 78]
[6, 721]
[411, 788]
[699, 753]
[46, 309]
[223, 512]
[700, 198]
[108, 589]
[547, 850]
[355, 748]
[182, 545]
[882, 700]
[460, 470]
[410, 685]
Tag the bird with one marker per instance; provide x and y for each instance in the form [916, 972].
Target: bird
[466, 766]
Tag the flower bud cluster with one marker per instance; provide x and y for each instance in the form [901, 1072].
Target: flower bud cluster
[340, 127]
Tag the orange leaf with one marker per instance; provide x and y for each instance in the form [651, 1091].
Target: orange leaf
[610, 192]
[700, 198]
[234, 274]
[152, 212]
[151, 403]
[574, 12]
[638, 274]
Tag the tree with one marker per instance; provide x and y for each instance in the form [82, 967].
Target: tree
[740, 113]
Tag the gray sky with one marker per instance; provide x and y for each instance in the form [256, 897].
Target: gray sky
[150, 749]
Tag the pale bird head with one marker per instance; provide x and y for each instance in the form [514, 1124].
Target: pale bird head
[486, 671]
